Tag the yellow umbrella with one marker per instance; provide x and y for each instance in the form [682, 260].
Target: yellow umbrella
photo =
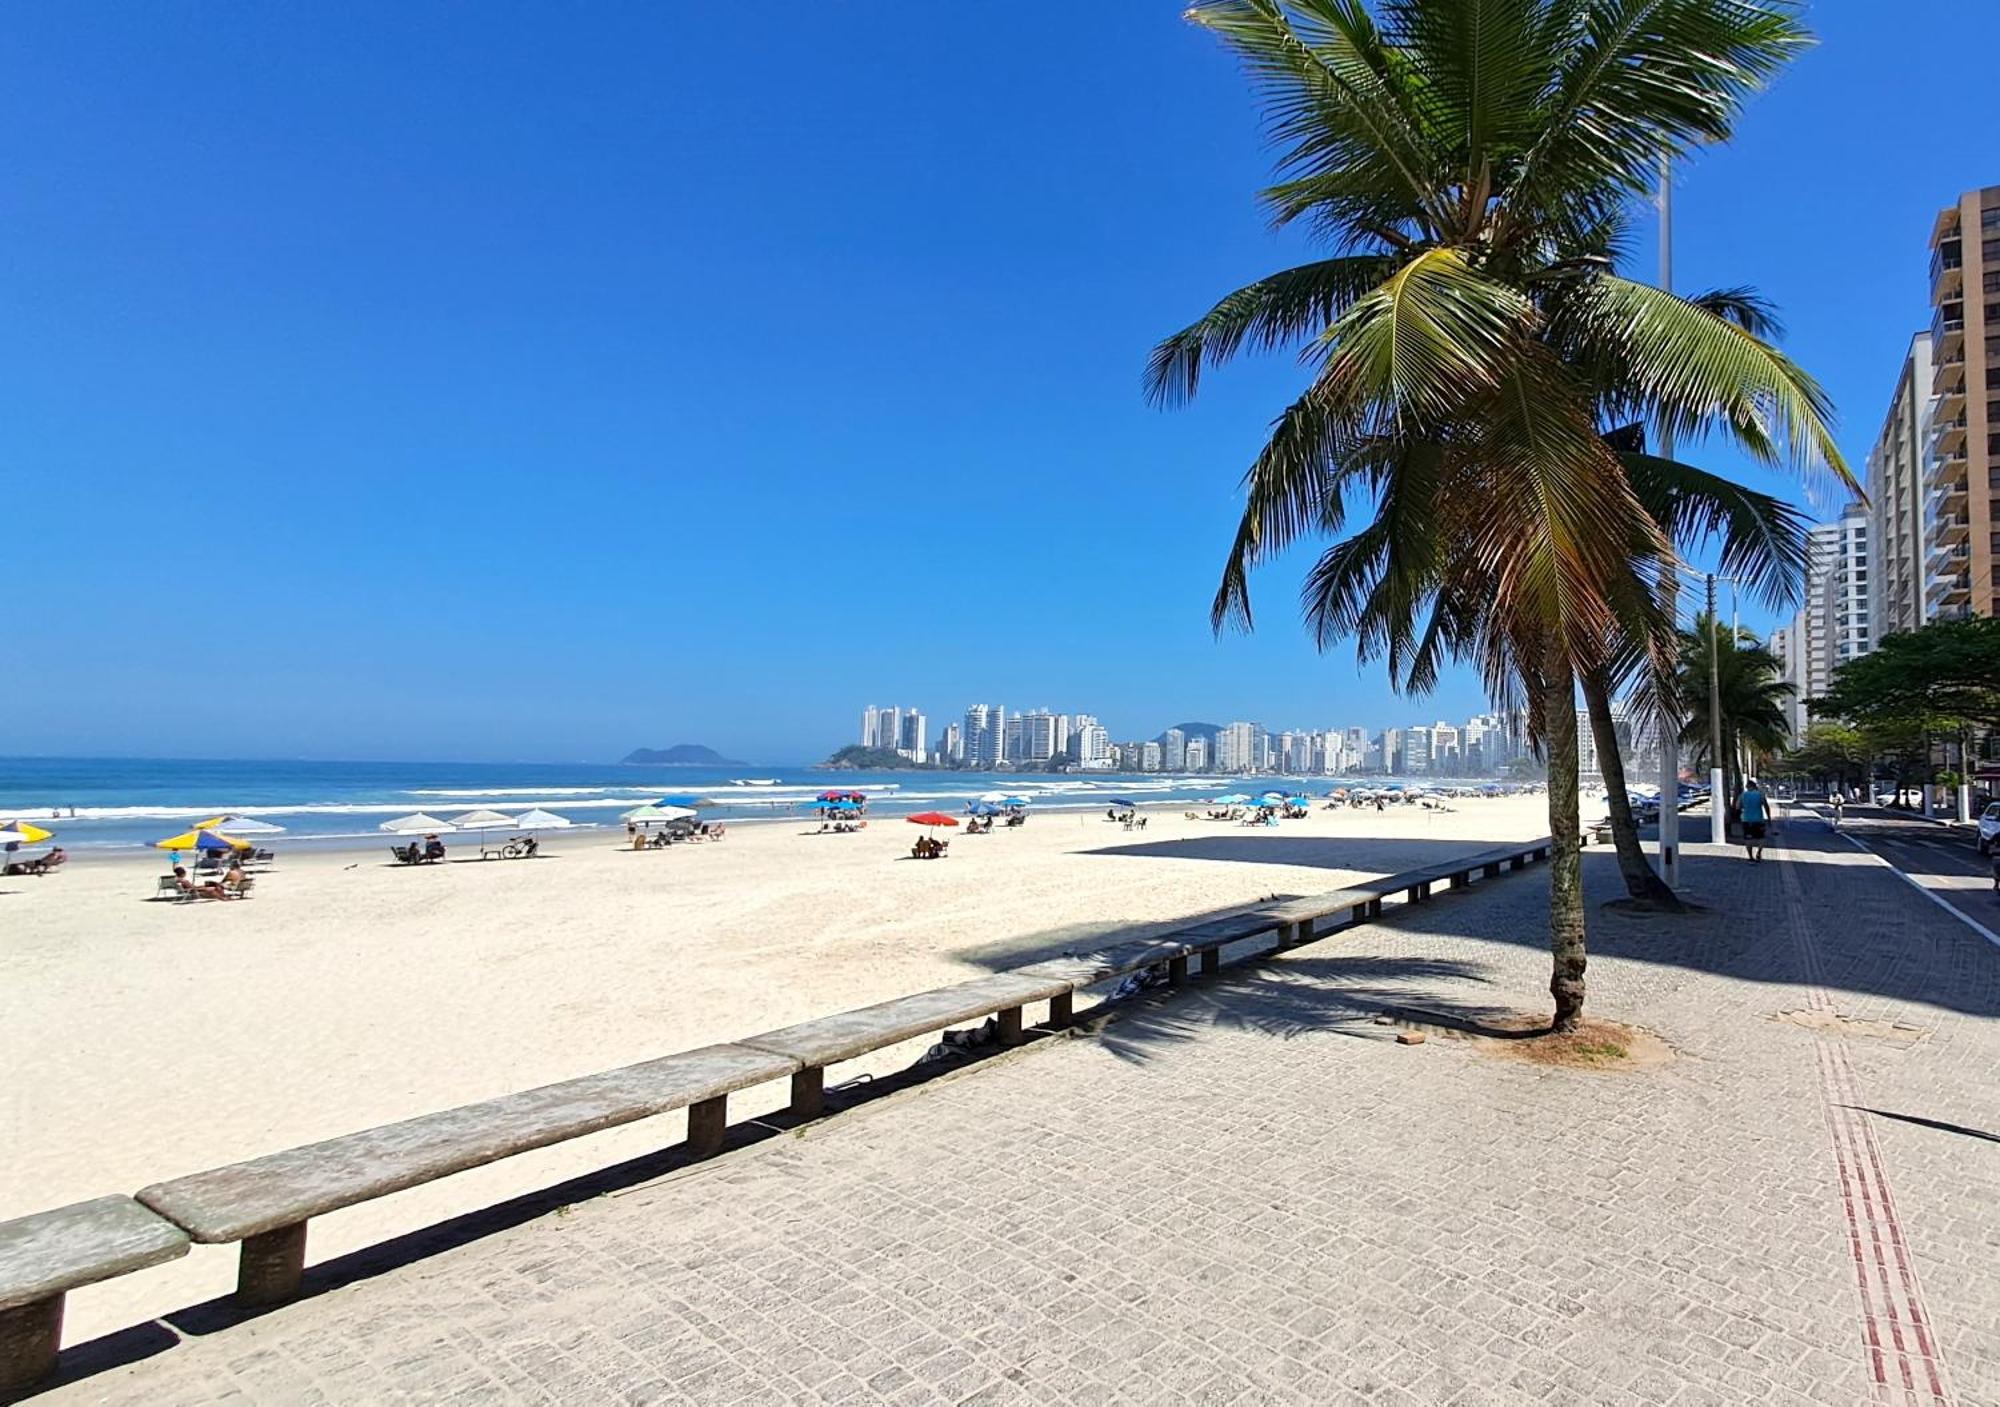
[31, 834]
[191, 840]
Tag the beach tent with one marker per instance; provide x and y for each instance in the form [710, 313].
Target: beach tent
[200, 840]
[419, 824]
[540, 820]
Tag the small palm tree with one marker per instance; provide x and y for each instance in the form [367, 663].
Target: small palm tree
[1750, 687]
[1470, 162]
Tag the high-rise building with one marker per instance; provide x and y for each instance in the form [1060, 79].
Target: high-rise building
[1197, 754]
[985, 735]
[1963, 478]
[1445, 755]
[910, 740]
[1173, 750]
[1851, 627]
[1091, 744]
[1835, 622]
[1239, 748]
[882, 728]
[1389, 743]
[1416, 749]
[1149, 757]
[1032, 738]
[1896, 496]
[954, 743]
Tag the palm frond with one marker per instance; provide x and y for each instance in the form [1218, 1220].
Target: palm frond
[1763, 538]
[1272, 313]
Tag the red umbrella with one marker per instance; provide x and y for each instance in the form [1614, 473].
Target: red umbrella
[932, 818]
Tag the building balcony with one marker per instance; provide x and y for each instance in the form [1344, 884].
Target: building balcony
[1948, 374]
[1949, 560]
[1946, 472]
[1947, 435]
[1946, 592]
[1950, 528]
[1948, 335]
[1952, 402]
[1947, 278]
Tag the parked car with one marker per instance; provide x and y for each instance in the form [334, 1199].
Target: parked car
[1989, 828]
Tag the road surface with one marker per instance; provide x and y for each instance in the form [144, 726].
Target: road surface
[1940, 860]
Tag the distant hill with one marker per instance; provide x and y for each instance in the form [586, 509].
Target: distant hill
[855, 758]
[680, 755]
[1193, 730]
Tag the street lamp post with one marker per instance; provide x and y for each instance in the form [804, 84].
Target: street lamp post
[1670, 749]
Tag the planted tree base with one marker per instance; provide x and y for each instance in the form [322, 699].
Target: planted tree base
[1605, 1047]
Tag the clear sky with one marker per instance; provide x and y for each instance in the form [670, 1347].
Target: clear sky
[537, 381]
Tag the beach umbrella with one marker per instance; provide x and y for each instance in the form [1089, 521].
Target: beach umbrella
[1015, 801]
[931, 818]
[11, 836]
[1233, 799]
[983, 808]
[651, 813]
[419, 824]
[1120, 801]
[25, 833]
[993, 796]
[482, 821]
[200, 840]
[540, 820]
[238, 825]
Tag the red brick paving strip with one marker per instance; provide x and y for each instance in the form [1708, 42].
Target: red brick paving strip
[1908, 1367]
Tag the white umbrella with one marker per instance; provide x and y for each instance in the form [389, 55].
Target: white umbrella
[650, 812]
[245, 825]
[540, 820]
[481, 820]
[418, 824]
[12, 838]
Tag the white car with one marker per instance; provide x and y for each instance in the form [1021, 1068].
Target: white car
[1989, 828]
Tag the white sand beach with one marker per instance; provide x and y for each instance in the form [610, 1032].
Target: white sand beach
[146, 1040]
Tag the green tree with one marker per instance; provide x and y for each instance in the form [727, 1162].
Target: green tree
[1748, 683]
[1470, 163]
[1830, 753]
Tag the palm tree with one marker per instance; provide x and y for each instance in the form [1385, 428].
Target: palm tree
[1763, 545]
[1751, 692]
[1469, 162]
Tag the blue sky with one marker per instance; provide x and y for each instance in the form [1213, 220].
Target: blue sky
[543, 380]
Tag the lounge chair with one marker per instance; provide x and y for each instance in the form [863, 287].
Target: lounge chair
[240, 891]
[169, 888]
[407, 854]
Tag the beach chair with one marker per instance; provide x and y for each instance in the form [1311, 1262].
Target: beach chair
[406, 854]
[169, 888]
[240, 891]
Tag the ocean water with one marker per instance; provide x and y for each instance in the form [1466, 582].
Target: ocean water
[92, 802]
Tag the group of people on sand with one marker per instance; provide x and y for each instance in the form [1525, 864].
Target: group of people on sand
[232, 885]
[928, 847]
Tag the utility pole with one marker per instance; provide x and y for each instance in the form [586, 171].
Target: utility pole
[1718, 821]
[1669, 724]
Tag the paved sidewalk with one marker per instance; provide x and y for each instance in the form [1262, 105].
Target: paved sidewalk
[1250, 1193]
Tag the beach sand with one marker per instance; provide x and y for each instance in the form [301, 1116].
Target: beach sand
[147, 1040]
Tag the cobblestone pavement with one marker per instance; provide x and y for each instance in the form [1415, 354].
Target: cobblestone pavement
[1249, 1193]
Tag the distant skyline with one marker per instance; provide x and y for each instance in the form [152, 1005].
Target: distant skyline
[384, 382]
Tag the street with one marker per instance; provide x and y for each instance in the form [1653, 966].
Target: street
[1938, 859]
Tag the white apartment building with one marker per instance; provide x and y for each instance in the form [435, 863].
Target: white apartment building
[1197, 754]
[1090, 744]
[1416, 750]
[1898, 536]
[1239, 748]
[985, 735]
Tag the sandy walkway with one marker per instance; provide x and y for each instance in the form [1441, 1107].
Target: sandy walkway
[145, 1040]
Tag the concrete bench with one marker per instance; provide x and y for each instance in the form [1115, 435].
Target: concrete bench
[45, 1256]
[266, 1202]
[827, 1040]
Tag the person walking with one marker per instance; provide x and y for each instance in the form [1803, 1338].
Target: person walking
[1838, 800]
[1755, 814]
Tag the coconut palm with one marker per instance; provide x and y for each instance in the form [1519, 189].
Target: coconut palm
[1762, 544]
[1751, 694]
[1469, 163]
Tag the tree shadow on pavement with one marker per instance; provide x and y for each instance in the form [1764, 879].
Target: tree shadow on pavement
[1305, 996]
[1354, 854]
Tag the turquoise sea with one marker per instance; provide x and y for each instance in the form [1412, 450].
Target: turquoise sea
[92, 802]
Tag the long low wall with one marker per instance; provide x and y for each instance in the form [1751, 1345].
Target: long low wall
[266, 1203]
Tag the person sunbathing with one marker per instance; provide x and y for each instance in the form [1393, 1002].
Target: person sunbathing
[210, 890]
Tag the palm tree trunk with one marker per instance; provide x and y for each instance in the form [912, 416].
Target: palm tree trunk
[1566, 926]
[1640, 880]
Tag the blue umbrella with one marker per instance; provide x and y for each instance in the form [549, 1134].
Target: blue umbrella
[983, 808]
[1234, 798]
[1114, 801]
[1023, 801]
